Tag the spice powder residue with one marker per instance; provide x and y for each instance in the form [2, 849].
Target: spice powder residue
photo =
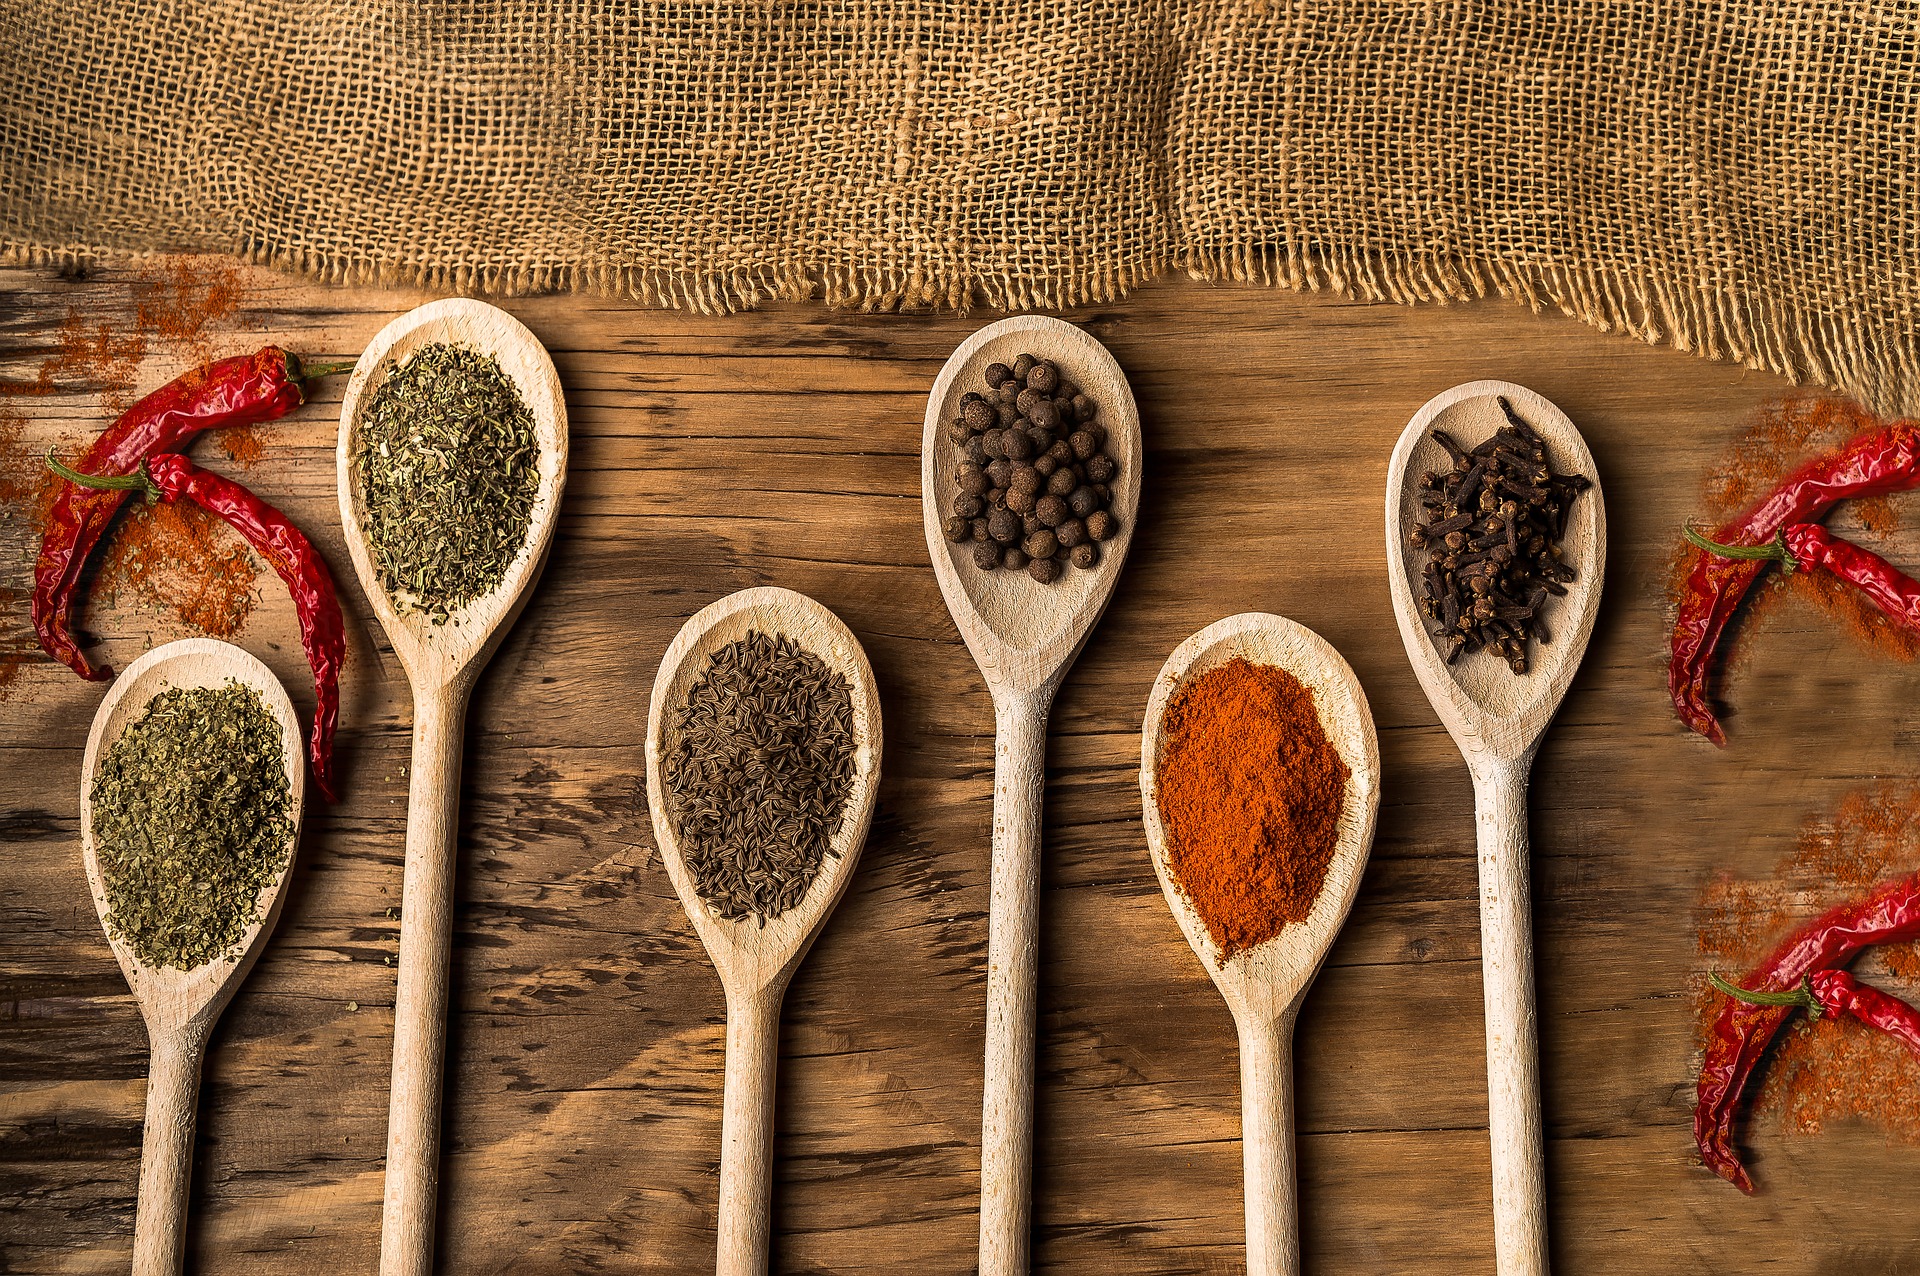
[1826, 1070]
[1778, 440]
[1250, 792]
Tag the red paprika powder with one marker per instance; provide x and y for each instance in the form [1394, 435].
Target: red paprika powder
[1250, 792]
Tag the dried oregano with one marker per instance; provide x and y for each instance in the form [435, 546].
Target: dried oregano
[758, 779]
[449, 469]
[192, 817]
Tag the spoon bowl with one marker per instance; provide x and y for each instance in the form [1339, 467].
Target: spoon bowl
[442, 663]
[1024, 636]
[755, 961]
[181, 1006]
[1486, 707]
[1264, 985]
[1023, 633]
[1497, 717]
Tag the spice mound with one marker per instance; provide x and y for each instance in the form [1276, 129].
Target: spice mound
[1493, 527]
[1250, 795]
[192, 817]
[1035, 488]
[449, 469]
[758, 780]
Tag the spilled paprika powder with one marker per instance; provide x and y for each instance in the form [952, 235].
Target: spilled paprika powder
[1250, 793]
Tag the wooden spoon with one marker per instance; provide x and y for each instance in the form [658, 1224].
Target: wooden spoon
[1264, 985]
[180, 1006]
[1024, 636]
[1497, 718]
[755, 962]
[442, 663]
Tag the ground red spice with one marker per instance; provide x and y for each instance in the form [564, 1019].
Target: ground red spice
[1826, 1070]
[1779, 438]
[1250, 792]
[177, 559]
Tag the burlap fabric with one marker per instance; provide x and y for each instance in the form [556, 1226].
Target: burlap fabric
[1737, 178]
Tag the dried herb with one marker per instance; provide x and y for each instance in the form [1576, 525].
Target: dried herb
[449, 469]
[192, 817]
[758, 779]
[1493, 529]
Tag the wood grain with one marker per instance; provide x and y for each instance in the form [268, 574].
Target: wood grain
[783, 447]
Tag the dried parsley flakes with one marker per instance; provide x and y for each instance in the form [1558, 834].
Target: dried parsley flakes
[192, 817]
[449, 469]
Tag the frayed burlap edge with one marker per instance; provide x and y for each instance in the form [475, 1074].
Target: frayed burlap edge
[1870, 359]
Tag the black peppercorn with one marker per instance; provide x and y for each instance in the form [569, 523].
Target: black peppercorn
[995, 496]
[1106, 496]
[1015, 445]
[1070, 533]
[1101, 468]
[1098, 431]
[1065, 390]
[1009, 391]
[1021, 367]
[1082, 444]
[1061, 482]
[1084, 408]
[996, 373]
[957, 431]
[1042, 440]
[1083, 501]
[999, 471]
[973, 480]
[1043, 377]
[1026, 400]
[977, 529]
[978, 414]
[1004, 526]
[1005, 413]
[1086, 555]
[966, 505]
[1029, 525]
[1101, 525]
[991, 442]
[957, 528]
[1044, 570]
[1022, 500]
[1025, 478]
[986, 556]
[1052, 511]
[1044, 414]
[1045, 464]
[1013, 558]
[977, 451]
[1042, 544]
[1061, 452]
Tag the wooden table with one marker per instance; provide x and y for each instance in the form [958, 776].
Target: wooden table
[781, 448]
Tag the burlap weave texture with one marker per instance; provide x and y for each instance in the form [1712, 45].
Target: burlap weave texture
[1733, 177]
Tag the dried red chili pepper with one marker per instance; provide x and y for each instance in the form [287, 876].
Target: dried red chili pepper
[1741, 1032]
[1884, 461]
[1839, 994]
[241, 391]
[274, 537]
[1808, 545]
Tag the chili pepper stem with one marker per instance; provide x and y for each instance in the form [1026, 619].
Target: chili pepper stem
[310, 371]
[1801, 996]
[138, 481]
[1774, 550]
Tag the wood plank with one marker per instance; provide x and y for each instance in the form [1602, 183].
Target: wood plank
[780, 447]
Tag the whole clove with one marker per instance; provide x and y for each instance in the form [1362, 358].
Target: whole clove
[1494, 521]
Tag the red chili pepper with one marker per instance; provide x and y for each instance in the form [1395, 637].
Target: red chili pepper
[241, 391]
[1884, 461]
[1839, 994]
[1741, 1033]
[171, 477]
[1808, 545]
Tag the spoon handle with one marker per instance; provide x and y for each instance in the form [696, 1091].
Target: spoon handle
[746, 1132]
[420, 996]
[1266, 1138]
[166, 1151]
[1513, 1039]
[1013, 942]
